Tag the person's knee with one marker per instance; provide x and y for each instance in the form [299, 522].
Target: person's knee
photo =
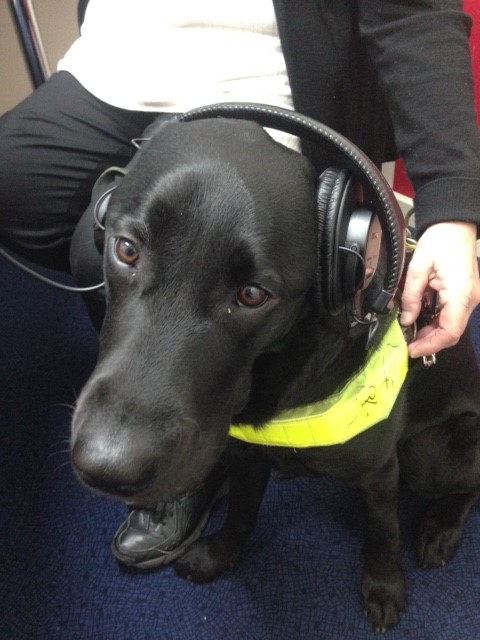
[24, 188]
[15, 183]
[36, 191]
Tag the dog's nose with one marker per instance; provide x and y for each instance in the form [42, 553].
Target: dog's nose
[110, 470]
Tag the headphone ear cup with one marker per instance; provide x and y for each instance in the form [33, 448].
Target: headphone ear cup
[335, 204]
[102, 191]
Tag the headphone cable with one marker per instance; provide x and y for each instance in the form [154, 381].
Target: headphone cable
[52, 283]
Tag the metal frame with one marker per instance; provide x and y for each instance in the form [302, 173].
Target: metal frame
[31, 44]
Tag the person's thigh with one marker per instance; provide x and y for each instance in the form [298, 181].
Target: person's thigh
[53, 147]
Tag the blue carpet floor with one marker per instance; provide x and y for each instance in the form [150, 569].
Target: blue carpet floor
[299, 577]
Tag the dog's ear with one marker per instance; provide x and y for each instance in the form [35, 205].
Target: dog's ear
[349, 239]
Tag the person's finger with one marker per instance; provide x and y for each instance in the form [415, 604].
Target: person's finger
[444, 331]
[416, 283]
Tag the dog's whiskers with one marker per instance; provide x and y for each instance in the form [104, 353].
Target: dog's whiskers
[59, 453]
[61, 448]
[61, 466]
[64, 405]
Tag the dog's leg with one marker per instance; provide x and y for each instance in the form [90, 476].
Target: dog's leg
[458, 465]
[383, 587]
[443, 463]
[441, 527]
[209, 556]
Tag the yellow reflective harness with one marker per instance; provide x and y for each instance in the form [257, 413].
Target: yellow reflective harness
[365, 400]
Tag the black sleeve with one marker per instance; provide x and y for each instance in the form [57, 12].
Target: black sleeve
[421, 54]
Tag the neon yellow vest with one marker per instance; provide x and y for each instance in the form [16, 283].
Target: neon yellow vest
[365, 400]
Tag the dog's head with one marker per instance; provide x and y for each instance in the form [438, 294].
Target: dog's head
[210, 253]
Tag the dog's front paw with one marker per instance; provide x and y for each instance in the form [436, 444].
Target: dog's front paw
[206, 558]
[384, 599]
[436, 544]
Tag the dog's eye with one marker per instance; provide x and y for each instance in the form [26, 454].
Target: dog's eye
[251, 296]
[126, 251]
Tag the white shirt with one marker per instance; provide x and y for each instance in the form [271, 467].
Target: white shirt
[173, 55]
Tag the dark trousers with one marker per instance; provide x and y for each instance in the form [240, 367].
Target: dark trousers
[53, 146]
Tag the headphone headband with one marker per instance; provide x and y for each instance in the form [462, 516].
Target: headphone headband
[348, 155]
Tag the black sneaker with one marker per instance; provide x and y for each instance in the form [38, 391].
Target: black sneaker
[149, 539]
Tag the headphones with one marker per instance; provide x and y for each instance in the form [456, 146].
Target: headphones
[349, 233]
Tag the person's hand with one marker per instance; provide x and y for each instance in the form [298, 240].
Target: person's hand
[444, 260]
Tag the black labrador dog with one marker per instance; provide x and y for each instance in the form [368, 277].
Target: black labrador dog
[212, 318]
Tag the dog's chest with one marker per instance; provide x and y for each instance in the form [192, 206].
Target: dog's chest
[315, 462]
